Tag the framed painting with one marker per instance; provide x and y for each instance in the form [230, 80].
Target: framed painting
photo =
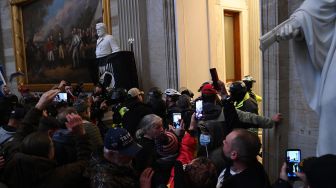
[55, 40]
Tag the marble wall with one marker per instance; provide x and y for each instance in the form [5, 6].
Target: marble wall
[283, 93]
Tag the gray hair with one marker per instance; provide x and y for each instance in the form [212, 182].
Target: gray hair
[100, 26]
[146, 124]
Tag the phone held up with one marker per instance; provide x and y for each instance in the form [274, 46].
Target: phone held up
[199, 109]
[61, 97]
[293, 159]
[214, 77]
[177, 120]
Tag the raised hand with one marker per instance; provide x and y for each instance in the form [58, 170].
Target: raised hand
[75, 124]
[46, 98]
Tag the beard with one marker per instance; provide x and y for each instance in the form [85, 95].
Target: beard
[228, 160]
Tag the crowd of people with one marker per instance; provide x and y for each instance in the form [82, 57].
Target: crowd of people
[68, 143]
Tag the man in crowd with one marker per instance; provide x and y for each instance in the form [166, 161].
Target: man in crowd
[241, 148]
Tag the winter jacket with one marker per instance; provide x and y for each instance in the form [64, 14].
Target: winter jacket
[28, 125]
[147, 156]
[34, 171]
[136, 110]
[253, 177]
[104, 174]
[64, 144]
[95, 139]
[6, 134]
[187, 153]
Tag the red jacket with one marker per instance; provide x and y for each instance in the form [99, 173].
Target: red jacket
[187, 153]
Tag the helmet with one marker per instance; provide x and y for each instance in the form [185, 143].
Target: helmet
[186, 91]
[248, 80]
[117, 95]
[237, 89]
[155, 92]
[172, 92]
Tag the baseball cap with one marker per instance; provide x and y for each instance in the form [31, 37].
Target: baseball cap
[17, 113]
[208, 89]
[121, 140]
[133, 92]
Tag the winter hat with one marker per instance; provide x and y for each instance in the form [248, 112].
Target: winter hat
[167, 144]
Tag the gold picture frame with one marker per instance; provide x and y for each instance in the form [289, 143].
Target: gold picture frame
[20, 44]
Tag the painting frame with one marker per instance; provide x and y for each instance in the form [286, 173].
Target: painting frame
[19, 42]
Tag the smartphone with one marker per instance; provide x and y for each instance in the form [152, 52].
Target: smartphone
[199, 109]
[214, 77]
[177, 120]
[61, 97]
[293, 159]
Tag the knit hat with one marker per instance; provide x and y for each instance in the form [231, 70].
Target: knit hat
[208, 89]
[120, 139]
[167, 144]
[134, 92]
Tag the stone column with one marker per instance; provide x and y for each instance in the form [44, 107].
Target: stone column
[275, 88]
[283, 93]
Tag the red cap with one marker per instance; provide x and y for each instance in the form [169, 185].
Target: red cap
[208, 89]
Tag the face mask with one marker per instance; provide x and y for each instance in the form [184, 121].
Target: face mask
[204, 139]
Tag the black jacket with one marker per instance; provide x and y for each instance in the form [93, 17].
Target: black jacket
[146, 156]
[252, 177]
[33, 171]
[136, 111]
[107, 175]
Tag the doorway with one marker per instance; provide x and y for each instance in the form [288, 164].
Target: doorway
[232, 46]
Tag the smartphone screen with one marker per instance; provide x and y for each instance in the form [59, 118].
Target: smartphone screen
[214, 77]
[61, 97]
[177, 120]
[199, 109]
[293, 158]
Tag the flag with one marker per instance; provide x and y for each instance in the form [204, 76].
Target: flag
[2, 79]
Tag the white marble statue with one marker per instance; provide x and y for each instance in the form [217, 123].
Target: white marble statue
[312, 26]
[106, 45]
